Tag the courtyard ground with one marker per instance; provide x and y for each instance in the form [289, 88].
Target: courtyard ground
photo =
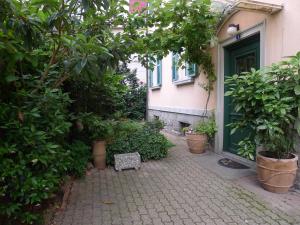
[182, 189]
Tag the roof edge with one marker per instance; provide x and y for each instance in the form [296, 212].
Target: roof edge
[257, 6]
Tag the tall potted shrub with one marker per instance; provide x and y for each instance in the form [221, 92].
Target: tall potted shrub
[101, 131]
[268, 101]
[197, 138]
[98, 131]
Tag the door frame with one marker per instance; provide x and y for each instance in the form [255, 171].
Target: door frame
[258, 28]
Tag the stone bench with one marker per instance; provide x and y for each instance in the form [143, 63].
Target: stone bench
[127, 161]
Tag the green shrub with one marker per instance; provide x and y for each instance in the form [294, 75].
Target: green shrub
[135, 95]
[125, 127]
[143, 139]
[90, 127]
[207, 127]
[268, 103]
[79, 155]
[32, 154]
[246, 149]
[155, 124]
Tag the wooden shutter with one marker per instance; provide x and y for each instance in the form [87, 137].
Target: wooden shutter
[159, 72]
[174, 67]
[150, 77]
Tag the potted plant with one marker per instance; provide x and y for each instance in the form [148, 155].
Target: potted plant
[268, 102]
[101, 131]
[197, 138]
[97, 130]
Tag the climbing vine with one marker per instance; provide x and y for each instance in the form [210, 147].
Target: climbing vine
[184, 27]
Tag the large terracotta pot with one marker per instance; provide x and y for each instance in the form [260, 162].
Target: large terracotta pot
[196, 142]
[276, 175]
[99, 155]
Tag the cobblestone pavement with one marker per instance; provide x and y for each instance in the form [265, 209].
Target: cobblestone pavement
[175, 190]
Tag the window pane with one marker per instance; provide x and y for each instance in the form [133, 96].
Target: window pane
[190, 69]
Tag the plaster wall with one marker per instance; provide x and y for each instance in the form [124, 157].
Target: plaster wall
[188, 96]
[282, 39]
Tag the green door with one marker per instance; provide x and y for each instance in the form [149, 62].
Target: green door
[240, 57]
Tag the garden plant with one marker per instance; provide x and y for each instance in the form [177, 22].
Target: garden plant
[60, 65]
[201, 135]
[268, 101]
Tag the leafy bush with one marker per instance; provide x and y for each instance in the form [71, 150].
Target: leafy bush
[268, 101]
[135, 96]
[155, 124]
[143, 139]
[246, 149]
[79, 155]
[125, 127]
[97, 128]
[49, 49]
[104, 95]
[113, 95]
[32, 154]
[207, 127]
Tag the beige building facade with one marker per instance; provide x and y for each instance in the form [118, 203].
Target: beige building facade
[268, 32]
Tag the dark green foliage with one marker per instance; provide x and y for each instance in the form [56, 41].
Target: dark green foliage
[155, 125]
[207, 127]
[79, 155]
[134, 97]
[59, 61]
[125, 127]
[43, 45]
[143, 139]
[247, 149]
[113, 95]
[33, 159]
[268, 100]
[103, 96]
[183, 27]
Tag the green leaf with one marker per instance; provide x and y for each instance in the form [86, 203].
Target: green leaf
[262, 127]
[297, 90]
[11, 78]
[251, 156]
[228, 93]
[298, 128]
[233, 130]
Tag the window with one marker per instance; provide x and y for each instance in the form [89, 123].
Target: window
[183, 75]
[190, 70]
[155, 75]
[174, 67]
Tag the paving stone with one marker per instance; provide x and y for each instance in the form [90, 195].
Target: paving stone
[175, 190]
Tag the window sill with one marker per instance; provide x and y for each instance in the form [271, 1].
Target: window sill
[189, 80]
[157, 87]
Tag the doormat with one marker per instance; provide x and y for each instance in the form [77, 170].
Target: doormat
[231, 164]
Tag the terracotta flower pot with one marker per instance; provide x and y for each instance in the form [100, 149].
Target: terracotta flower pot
[99, 155]
[196, 142]
[276, 175]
